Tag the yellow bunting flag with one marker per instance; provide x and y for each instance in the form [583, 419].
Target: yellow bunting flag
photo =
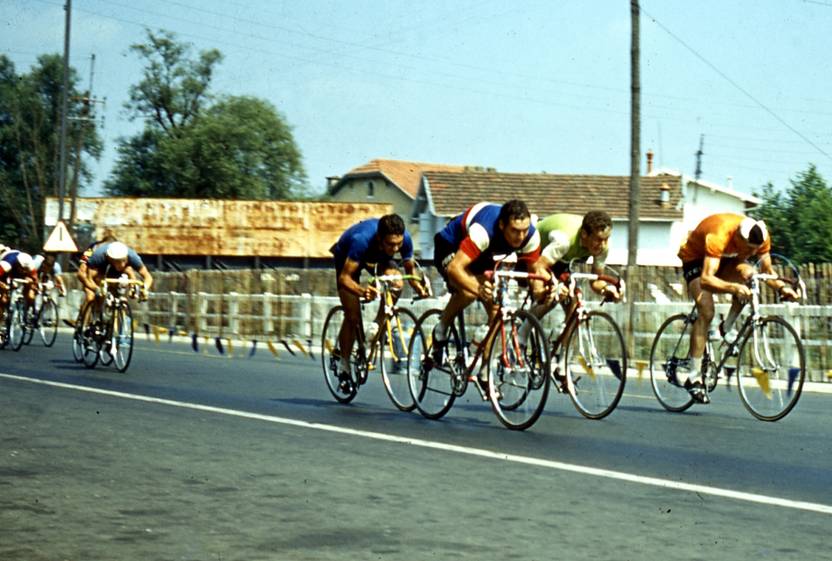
[300, 347]
[586, 366]
[762, 379]
[640, 366]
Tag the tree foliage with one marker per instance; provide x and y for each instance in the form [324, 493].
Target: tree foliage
[198, 145]
[30, 114]
[800, 220]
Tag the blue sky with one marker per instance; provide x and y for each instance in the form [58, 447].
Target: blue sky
[522, 86]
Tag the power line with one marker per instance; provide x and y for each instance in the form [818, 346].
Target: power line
[738, 87]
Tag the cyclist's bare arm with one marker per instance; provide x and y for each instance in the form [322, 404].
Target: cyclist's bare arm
[86, 278]
[146, 277]
[409, 268]
[466, 282]
[347, 282]
[711, 282]
[786, 291]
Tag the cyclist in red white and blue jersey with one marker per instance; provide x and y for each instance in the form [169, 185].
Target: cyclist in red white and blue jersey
[466, 248]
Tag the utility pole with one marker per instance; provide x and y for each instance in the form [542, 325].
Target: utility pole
[635, 135]
[698, 173]
[86, 117]
[635, 170]
[64, 108]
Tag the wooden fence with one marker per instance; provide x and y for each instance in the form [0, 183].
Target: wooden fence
[294, 302]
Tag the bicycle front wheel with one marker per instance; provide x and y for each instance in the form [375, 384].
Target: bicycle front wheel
[596, 365]
[90, 338]
[431, 384]
[393, 342]
[48, 322]
[331, 357]
[670, 363]
[29, 320]
[771, 369]
[17, 329]
[518, 380]
[121, 345]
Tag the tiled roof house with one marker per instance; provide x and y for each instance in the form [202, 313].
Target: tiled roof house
[662, 207]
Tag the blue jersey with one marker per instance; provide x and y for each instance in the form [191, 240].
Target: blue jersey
[98, 260]
[476, 231]
[360, 243]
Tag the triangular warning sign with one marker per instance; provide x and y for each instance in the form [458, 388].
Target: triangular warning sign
[60, 240]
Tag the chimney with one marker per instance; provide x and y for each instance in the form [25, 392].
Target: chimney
[331, 181]
[649, 162]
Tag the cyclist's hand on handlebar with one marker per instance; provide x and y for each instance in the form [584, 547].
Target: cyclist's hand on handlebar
[789, 294]
[612, 293]
[368, 293]
[486, 291]
[143, 294]
[742, 292]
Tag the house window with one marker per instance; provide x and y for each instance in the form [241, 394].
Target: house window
[371, 190]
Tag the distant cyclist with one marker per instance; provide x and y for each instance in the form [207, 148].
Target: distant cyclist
[48, 269]
[111, 260]
[715, 259]
[15, 264]
[372, 245]
[466, 248]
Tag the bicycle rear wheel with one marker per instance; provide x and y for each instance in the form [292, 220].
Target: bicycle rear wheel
[122, 337]
[518, 380]
[394, 341]
[771, 369]
[48, 322]
[431, 385]
[670, 363]
[596, 365]
[331, 357]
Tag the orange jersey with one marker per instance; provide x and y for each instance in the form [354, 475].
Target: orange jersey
[714, 237]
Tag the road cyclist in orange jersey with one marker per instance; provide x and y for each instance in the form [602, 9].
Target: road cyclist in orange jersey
[715, 260]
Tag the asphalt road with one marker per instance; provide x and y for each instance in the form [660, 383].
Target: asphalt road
[203, 457]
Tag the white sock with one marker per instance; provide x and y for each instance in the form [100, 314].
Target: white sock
[695, 368]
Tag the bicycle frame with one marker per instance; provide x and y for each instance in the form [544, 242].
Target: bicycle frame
[576, 311]
[501, 279]
[386, 313]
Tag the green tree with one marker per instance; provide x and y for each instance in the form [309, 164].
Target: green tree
[801, 219]
[29, 141]
[195, 145]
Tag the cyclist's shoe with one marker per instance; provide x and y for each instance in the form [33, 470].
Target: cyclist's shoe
[345, 382]
[438, 349]
[697, 391]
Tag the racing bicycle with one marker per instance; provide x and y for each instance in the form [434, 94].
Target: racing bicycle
[767, 359]
[386, 346]
[512, 350]
[105, 333]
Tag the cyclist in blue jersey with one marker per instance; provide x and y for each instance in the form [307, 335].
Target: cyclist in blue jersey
[111, 260]
[372, 245]
[465, 249]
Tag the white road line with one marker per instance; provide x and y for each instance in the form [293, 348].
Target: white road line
[561, 466]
